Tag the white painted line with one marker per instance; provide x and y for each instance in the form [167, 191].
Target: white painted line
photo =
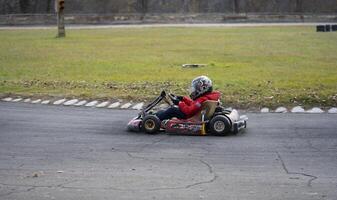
[45, 102]
[265, 110]
[59, 102]
[315, 110]
[281, 110]
[36, 101]
[27, 100]
[115, 105]
[125, 106]
[332, 111]
[138, 106]
[91, 104]
[103, 104]
[70, 102]
[17, 100]
[7, 99]
[81, 103]
[298, 109]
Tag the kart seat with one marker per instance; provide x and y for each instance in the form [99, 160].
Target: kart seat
[209, 107]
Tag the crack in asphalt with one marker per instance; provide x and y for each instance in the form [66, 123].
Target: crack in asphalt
[312, 146]
[141, 149]
[307, 140]
[16, 192]
[33, 187]
[312, 177]
[30, 188]
[137, 157]
[211, 171]
[62, 185]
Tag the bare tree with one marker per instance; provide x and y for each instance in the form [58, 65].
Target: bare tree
[298, 6]
[143, 6]
[49, 5]
[185, 6]
[24, 5]
[236, 6]
[194, 6]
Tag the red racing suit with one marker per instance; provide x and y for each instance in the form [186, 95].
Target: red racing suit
[190, 107]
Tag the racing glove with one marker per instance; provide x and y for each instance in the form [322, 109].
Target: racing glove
[175, 101]
[180, 98]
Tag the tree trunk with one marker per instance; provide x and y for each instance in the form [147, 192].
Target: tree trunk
[236, 6]
[194, 6]
[144, 6]
[24, 6]
[49, 3]
[185, 6]
[298, 6]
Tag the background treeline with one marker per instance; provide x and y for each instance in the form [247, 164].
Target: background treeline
[170, 6]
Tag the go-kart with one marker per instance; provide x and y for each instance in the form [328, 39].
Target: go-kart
[213, 119]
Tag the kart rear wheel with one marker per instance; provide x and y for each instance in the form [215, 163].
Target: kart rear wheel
[219, 125]
[151, 124]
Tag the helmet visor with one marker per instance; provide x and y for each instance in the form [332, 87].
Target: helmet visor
[192, 91]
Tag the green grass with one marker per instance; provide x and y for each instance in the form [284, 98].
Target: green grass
[264, 66]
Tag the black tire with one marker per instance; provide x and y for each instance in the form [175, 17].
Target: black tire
[151, 124]
[219, 125]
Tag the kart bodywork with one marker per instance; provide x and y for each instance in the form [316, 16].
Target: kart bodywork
[212, 119]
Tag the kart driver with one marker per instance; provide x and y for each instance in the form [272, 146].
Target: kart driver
[201, 90]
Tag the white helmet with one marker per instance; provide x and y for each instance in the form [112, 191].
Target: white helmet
[200, 85]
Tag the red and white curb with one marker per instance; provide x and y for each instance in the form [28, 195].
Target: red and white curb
[77, 102]
[138, 106]
[70, 102]
[81, 103]
[59, 102]
[299, 109]
[114, 105]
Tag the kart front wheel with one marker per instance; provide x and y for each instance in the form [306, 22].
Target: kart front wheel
[219, 125]
[151, 124]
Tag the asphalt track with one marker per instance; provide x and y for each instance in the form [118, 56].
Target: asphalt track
[57, 152]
